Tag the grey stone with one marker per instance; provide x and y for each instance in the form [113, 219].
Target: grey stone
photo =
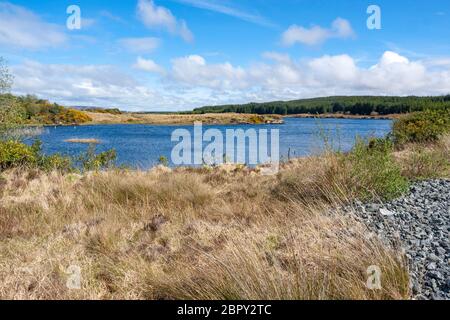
[419, 223]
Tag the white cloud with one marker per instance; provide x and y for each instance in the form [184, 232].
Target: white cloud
[392, 58]
[90, 85]
[395, 73]
[342, 28]
[317, 35]
[329, 69]
[192, 81]
[21, 28]
[194, 70]
[437, 62]
[148, 65]
[140, 45]
[154, 16]
[326, 75]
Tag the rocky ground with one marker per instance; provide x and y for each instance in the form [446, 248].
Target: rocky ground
[420, 223]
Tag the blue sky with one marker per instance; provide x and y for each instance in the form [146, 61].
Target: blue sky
[179, 54]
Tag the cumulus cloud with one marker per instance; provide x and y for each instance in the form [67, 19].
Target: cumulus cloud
[68, 80]
[91, 85]
[194, 70]
[140, 45]
[329, 69]
[326, 75]
[192, 81]
[317, 35]
[148, 65]
[21, 28]
[395, 73]
[154, 16]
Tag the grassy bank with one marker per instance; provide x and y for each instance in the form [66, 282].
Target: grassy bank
[180, 119]
[212, 233]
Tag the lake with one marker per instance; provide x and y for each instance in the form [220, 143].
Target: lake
[140, 146]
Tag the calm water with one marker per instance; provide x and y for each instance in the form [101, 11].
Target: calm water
[142, 145]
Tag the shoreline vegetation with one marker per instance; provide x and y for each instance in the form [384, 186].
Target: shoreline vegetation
[224, 232]
[34, 111]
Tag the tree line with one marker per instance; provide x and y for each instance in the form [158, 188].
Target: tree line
[354, 105]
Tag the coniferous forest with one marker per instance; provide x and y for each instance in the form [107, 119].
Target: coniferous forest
[355, 105]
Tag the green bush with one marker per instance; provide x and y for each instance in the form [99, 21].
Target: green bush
[16, 154]
[421, 127]
[380, 144]
[92, 161]
[53, 162]
[374, 171]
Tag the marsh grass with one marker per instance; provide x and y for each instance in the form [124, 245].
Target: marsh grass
[209, 233]
[368, 172]
[189, 234]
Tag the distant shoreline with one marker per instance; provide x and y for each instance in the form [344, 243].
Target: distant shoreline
[218, 118]
[182, 119]
[206, 119]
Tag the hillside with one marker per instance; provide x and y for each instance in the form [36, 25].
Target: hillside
[34, 111]
[354, 105]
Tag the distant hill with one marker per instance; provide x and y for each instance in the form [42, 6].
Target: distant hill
[84, 107]
[98, 109]
[355, 105]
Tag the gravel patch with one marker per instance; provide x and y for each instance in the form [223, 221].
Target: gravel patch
[420, 223]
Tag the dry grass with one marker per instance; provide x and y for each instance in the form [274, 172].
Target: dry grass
[188, 234]
[83, 141]
[180, 119]
[425, 161]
